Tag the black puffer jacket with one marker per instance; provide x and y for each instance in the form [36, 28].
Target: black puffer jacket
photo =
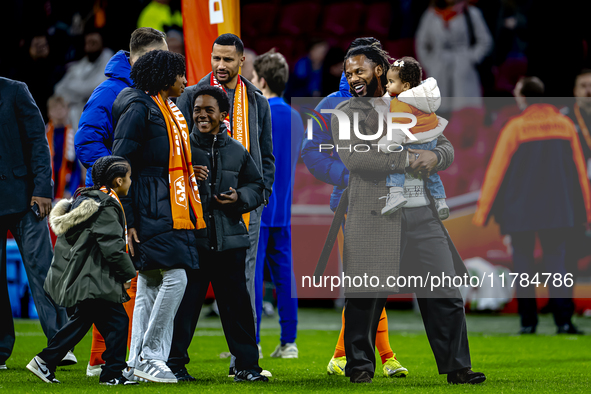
[141, 137]
[230, 165]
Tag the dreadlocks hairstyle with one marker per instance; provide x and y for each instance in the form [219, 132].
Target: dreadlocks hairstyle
[409, 70]
[215, 92]
[157, 70]
[361, 41]
[375, 54]
[104, 172]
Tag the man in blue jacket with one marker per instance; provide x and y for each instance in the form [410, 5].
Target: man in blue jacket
[94, 138]
[270, 77]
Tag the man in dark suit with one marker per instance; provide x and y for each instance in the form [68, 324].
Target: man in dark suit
[25, 187]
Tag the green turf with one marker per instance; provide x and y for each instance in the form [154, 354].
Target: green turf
[540, 363]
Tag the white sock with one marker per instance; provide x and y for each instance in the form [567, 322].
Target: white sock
[395, 189]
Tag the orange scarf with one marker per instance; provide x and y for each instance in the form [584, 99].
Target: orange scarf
[68, 158]
[181, 178]
[111, 193]
[239, 127]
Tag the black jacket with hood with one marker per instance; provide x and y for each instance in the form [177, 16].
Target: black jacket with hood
[230, 165]
[259, 124]
[142, 138]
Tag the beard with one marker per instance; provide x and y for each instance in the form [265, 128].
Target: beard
[372, 87]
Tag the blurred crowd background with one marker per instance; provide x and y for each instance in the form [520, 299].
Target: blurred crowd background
[60, 49]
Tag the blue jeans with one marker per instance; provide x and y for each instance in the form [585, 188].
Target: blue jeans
[434, 184]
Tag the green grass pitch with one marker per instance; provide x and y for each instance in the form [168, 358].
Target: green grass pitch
[536, 363]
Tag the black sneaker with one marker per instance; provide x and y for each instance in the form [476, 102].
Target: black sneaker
[527, 330]
[122, 380]
[569, 329]
[465, 376]
[360, 377]
[231, 372]
[250, 376]
[183, 376]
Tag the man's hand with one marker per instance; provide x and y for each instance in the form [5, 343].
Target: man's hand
[229, 198]
[131, 237]
[201, 172]
[424, 164]
[127, 285]
[44, 205]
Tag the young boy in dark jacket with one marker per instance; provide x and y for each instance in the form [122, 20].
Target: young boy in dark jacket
[91, 271]
[230, 186]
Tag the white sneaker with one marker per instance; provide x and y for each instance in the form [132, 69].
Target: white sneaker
[69, 359]
[3, 366]
[155, 371]
[94, 370]
[260, 350]
[289, 350]
[394, 201]
[41, 370]
[128, 374]
[266, 373]
[442, 208]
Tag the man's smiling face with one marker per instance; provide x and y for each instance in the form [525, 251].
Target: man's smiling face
[362, 76]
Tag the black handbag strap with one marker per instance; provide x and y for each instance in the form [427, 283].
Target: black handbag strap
[335, 226]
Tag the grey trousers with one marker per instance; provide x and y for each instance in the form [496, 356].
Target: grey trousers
[159, 294]
[424, 249]
[34, 243]
[254, 229]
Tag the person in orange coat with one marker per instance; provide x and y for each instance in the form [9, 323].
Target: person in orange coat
[536, 183]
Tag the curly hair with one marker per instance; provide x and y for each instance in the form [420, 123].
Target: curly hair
[409, 72]
[157, 70]
[375, 54]
[216, 93]
[104, 171]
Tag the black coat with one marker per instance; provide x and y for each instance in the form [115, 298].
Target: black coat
[25, 161]
[230, 165]
[141, 137]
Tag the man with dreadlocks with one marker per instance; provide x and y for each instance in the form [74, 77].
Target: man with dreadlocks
[327, 167]
[411, 241]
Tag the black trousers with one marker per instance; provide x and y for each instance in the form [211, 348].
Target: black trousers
[424, 249]
[112, 322]
[34, 243]
[225, 271]
[553, 243]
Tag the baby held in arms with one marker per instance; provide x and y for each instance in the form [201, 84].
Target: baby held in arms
[421, 99]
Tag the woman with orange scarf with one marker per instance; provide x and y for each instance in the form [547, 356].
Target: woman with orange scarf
[163, 207]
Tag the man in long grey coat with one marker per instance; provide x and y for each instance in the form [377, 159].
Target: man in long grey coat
[376, 245]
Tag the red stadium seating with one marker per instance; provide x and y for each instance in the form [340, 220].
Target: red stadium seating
[377, 23]
[343, 18]
[299, 18]
[400, 48]
[258, 19]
